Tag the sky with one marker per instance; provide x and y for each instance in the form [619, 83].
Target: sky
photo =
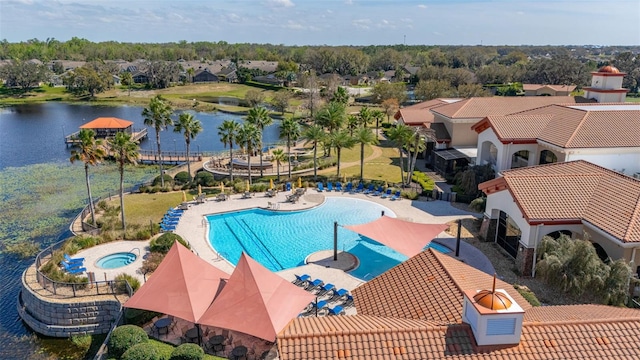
[327, 22]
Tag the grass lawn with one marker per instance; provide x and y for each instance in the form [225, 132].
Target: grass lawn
[353, 154]
[385, 167]
[142, 208]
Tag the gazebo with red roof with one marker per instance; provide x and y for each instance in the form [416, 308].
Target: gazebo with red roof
[108, 126]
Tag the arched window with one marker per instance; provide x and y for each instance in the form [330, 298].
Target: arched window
[520, 159]
[547, 157]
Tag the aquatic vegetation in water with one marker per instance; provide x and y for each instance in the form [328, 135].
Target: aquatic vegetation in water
[38, 200]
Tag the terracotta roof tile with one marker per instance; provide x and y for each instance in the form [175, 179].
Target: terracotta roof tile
[107, 123]
[419, 113]
[479, 107]
[518, 127]
[576, 191]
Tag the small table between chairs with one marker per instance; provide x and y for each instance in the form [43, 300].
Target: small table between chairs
[162, 325]
[192, 335]
[217, 343]
[239, 352]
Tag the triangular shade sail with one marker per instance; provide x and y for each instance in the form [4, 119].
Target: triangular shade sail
[405, 237]
[183, 285]
[107, 123]
[256, 301]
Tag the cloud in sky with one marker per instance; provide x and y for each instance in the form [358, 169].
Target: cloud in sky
[342, 22]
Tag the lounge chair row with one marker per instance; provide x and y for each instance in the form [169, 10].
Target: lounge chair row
[327, 292]
[370, 190]
[170, 219]
[73, 265]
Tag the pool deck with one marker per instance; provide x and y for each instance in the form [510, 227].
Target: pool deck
[93, 254]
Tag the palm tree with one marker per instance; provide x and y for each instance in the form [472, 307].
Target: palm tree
[290, 130]
[365, 116]
[190, 127]
[127, 79]
[353, 122]
[279, 156]
[364, 137]
[378, 116]
[158, 115]
[190, 72]
[228, 132]
[400, 135]
[417, 142]
[91, 152]
[341, 139]
[249, 136]
[259, 116]
[125, 151]
[332, 117]
[315, 134]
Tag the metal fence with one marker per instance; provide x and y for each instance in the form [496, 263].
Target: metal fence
[60, 289]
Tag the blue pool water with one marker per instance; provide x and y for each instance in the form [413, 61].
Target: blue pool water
[116, 260]
[282, 240]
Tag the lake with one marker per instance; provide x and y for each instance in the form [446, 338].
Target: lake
[41, 192]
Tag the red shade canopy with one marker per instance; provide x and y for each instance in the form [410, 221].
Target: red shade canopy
[405, 237]
[256, 301]
[107, 123]
[183, 285]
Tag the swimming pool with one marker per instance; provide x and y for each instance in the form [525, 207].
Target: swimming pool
[116, 260]
[282, 240]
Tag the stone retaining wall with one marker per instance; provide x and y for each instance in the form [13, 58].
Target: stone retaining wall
[63, 318]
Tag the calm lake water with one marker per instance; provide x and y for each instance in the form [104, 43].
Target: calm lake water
[32, 155]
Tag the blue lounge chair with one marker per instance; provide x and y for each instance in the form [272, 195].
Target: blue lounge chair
[378, 191]
[70, 266]
[169, 223]
[360, 188]
[287, 186]
[349, 188]
[339, 186]
[348, 301]
[74, 268]
[337, 310]
[339, 294]
[369, 189]
[386, 194]
[320, 187]
[167, 228]
[396, 196]
[325, 289]
[75, 271]
[301, 280]
[69, 259]
[329, 186]
[175, 210]
[314, 285]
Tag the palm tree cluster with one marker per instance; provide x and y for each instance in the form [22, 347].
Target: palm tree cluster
[413, 140]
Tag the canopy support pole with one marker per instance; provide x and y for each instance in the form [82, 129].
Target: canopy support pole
[335, 241]
[458, 237]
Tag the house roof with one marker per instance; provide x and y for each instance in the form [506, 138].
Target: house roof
[419, 113]
[267, 66]
[479, 107]
[533, 87]
[574, 191]
[428, 286]
[441, 132]
[107, 123]
[514, 128]
[591, 126]
[575, 331]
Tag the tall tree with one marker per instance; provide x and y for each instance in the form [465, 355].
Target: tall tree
[332, 117]
[377, 115]
[390, 107]
[315, 135]
[279, 157]
[341, 139]
[249, 137]
[23, 74]
[125, 151]
[280, 100]
[228, 132]
[87, 80]
[384, 91]
[90, 152]
[364, 137]
[259, 117]
[432, 89]
[158, 114]
[400, 135]
[127, 80]
[190, 127]
[254, 97]
[289, 130]
[417, 145]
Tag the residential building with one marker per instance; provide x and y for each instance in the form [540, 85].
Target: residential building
[547, 90]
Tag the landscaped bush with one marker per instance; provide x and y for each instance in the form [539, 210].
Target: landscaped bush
[204, 178]
[181, 178]
[82, 341]
[411, 195]
[187, 352]
[139, 317]
[164, 242]
[133, 282]
[150, 264]
[424, 181]
[124, 337]
[528, 295]
[142, 351]
[478, 204]
[168, 180]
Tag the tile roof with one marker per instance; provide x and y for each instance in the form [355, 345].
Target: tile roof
[515, 128]
[531, 87]
[575, 191]
[107, 123]
[419, 113]
[479, 107]
[428, 286]
[593, 128]
[555, 332]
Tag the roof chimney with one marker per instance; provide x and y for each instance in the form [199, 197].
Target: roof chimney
[494, 316]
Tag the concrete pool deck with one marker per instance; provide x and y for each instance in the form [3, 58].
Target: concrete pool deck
[93, 254]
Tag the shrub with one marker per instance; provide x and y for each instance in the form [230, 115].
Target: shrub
[187, 352]
[142, 234]
[142, 351]
[124, 337]
[133, 282]
[181, 178]
[82, 341]
[163, 243]
[411, 195]
[528, 295]
[168, 180]
[424, 181]
[150, 264]
[204, 178]
[478, 204]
